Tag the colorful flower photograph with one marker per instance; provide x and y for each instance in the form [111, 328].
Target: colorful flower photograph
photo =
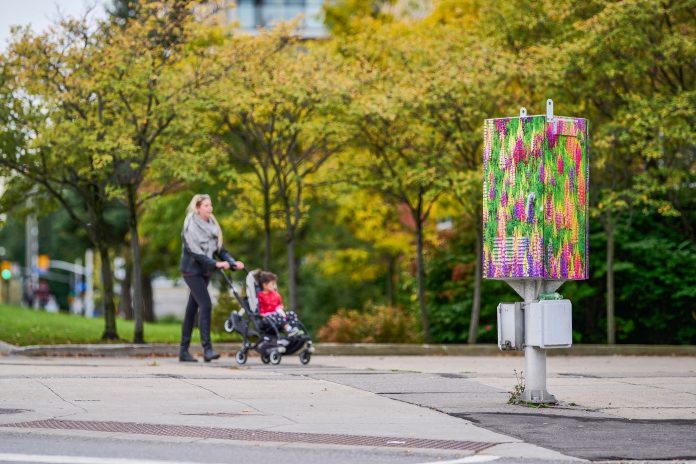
[535, 198]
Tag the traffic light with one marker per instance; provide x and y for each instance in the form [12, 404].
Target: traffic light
[6, 272]
[44, 262]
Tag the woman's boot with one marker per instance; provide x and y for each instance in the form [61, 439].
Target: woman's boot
[185, 356]
[209, 354]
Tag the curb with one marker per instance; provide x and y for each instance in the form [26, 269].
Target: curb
[6, 348]
[347, 349]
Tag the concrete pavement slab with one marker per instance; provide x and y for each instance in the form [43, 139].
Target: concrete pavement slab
[610, 408]
[592, 382]
[430, 398]
[168, 392]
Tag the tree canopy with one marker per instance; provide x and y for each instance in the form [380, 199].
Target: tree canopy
[353, 163]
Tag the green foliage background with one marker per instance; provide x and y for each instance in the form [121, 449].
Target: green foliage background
[392, 103]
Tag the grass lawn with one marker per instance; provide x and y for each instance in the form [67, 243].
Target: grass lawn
[23, 326]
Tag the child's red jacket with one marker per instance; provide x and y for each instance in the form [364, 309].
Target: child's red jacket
[269, 302]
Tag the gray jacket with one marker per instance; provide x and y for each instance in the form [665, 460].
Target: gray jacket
[199, 247]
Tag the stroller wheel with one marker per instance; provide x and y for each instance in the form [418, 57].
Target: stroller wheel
[274, 357]
[241, 357]
[228, 326]
[265, 358]
[305, 356]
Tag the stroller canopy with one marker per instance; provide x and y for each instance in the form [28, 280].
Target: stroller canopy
[251, 284]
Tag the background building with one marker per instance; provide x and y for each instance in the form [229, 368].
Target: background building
[255, 14]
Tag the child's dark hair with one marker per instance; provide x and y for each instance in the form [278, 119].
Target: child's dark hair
[265, 277]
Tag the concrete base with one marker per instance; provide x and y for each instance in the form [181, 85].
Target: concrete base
[538, 397]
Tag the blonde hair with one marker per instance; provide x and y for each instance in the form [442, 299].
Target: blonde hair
[193, 209]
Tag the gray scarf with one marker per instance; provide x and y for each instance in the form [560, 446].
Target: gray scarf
[200, 236]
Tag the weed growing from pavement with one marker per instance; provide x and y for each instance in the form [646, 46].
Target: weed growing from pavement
[516, 393]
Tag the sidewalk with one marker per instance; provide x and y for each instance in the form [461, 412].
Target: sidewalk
[283, 404]
[612, 407]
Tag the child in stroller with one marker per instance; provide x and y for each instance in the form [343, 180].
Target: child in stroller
[263, 334]
[271, 305]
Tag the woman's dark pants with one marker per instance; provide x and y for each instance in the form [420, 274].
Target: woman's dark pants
[199, 299]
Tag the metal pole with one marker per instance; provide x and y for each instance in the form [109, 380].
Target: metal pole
[32, 254]
[89, 284]
[77, 287]
[535, 380]
[534, 357]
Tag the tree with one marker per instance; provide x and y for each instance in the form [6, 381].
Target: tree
[633, 65]
[466, 88]
[123, 10]
[277, 115]
[344, 16]
[628, 68]
[362, 238]
[410, 158]
[147, 71]
[54, 107]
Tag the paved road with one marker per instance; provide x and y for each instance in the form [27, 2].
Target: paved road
[343, 409]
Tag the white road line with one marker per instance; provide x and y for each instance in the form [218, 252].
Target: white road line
[49, 459]
[467, 460]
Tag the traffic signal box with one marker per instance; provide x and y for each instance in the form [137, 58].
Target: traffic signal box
[535, 230]
[535, 181]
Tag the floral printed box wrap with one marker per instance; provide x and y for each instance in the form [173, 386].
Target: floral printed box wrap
[535, 180]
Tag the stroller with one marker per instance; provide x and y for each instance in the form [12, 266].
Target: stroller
[260, 334]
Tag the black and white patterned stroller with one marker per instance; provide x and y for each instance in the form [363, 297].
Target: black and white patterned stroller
[262, 335]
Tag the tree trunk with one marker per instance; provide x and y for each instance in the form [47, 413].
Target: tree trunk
[420, 277]
[266, 230]
[126, 306]
[292, 272]
[391, 273]
[137, 281]
[110, 332]
[611, 324]
[148, 302]
[476, 305]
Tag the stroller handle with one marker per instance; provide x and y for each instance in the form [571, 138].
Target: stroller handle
[227, 278]
[229, 282]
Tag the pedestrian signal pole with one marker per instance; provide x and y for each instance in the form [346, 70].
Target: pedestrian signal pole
[32, 253]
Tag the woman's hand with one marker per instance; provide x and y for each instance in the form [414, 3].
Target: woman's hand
[239, 265]
[222, 265]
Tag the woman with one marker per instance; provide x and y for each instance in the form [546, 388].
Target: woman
[201, 240]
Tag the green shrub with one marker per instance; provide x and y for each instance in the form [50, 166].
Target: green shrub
[378, 324]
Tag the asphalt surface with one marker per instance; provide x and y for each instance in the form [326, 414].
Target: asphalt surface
[597, 438]
[569, 429]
